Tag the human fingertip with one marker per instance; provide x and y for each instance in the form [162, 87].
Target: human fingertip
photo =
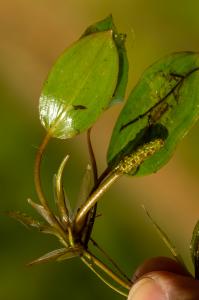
[146, 289]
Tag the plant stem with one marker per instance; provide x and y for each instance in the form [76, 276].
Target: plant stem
[102, 278]
[37, 179]
[103, 175]
[37, 171]
[127, 165]
[111, 260]
[93, 260]
[94, 197]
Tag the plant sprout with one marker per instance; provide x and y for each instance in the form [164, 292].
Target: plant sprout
[88, 78]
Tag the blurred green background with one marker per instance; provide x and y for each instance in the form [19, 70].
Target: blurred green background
[32, 34]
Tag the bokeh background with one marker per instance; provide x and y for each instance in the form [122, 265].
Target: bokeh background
[32, 34]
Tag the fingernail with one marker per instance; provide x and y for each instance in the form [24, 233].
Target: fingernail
[146, 289]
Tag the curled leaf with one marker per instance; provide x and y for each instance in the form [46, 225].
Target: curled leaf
[164, 104]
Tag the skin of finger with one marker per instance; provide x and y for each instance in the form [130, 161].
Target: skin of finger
[175, 287]
[172, 277]
[160, 264]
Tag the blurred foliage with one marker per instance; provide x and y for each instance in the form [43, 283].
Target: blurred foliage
[32, 35]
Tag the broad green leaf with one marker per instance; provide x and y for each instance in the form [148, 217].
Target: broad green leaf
[164, 104]
[80, 85]
[119, 38]
[194, 249]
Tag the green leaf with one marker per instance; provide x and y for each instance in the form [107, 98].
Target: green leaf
[164, 104]
[120, 90]
[194, 249]
[119, 38]
[102, 25]
[80, 85]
